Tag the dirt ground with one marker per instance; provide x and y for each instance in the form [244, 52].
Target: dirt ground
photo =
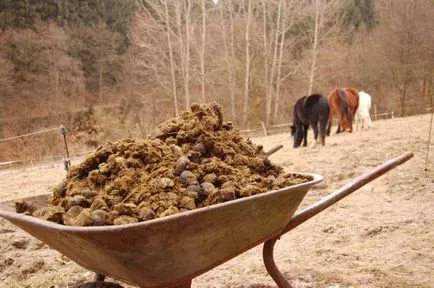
[380, 236]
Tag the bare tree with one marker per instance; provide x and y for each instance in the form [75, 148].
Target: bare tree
[266, 48]
[44, 68]
[229, 53]
[273, 66]
[247, 70]
[404, 48]
[172, 64]
[187, 10]
[151, 67]
[327, 17]
[202, 52]
[286, 7]
[183, 14]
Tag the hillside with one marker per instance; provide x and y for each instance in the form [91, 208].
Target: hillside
[148, 60]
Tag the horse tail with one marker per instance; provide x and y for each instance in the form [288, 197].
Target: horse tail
[355, 92]
[343, 104]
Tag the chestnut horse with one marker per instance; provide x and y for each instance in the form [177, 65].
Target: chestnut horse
[343, 105]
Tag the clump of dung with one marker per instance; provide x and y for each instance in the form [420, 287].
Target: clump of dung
[188, 162]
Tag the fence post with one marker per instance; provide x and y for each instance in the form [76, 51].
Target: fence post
[264, 129]
[375, 112]
[393, 115]
[67, 161]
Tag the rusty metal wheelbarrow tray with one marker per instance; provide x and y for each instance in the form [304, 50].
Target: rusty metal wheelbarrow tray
[172, 249]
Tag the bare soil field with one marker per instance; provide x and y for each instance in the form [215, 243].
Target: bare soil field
[380, 236]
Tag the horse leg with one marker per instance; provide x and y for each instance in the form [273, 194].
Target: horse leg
[369, 121]
[322, 131]
[357, 119]
[305, 128]
[315, 133]
[329, 125]
[339, 128]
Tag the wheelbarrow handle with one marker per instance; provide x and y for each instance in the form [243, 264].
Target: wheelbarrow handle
[345, 190]
[273, 149]
[267, 252]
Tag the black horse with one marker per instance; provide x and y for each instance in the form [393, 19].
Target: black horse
[311, 110]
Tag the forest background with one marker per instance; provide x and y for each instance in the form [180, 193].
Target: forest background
[109, 69]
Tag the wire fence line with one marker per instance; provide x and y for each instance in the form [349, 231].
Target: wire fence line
[47, 162]
[60, 159]
[283, 127]
[30, 134]
[11, 164]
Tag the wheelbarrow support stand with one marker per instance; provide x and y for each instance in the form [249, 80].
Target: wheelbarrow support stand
[267, 252]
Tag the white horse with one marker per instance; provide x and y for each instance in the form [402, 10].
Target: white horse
[362, 113]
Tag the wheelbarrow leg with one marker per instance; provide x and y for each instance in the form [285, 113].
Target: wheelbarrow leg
[270, 265]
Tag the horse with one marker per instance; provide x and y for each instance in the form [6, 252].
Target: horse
[343, 105]
[311, 110]
[362, 114]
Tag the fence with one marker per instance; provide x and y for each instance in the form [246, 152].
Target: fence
[33, 162]
[284, 127]
[265, 131]
[281, 128]
[48, 162]
[384, 115]
[61, 159]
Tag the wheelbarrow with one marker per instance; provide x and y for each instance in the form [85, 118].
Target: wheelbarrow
[171, 251]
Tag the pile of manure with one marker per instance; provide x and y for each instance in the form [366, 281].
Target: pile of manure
[188, 162]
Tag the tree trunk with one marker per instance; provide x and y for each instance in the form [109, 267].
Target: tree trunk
[279, 68]
[229, 57]
[202, 53]
[187, 7]
[267, 87]
[273, 68]
[184, 46]
[172, 65]
[407, 74]
[247, 70]
[314, 47]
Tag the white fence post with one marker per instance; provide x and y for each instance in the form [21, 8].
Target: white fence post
[264, 129]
